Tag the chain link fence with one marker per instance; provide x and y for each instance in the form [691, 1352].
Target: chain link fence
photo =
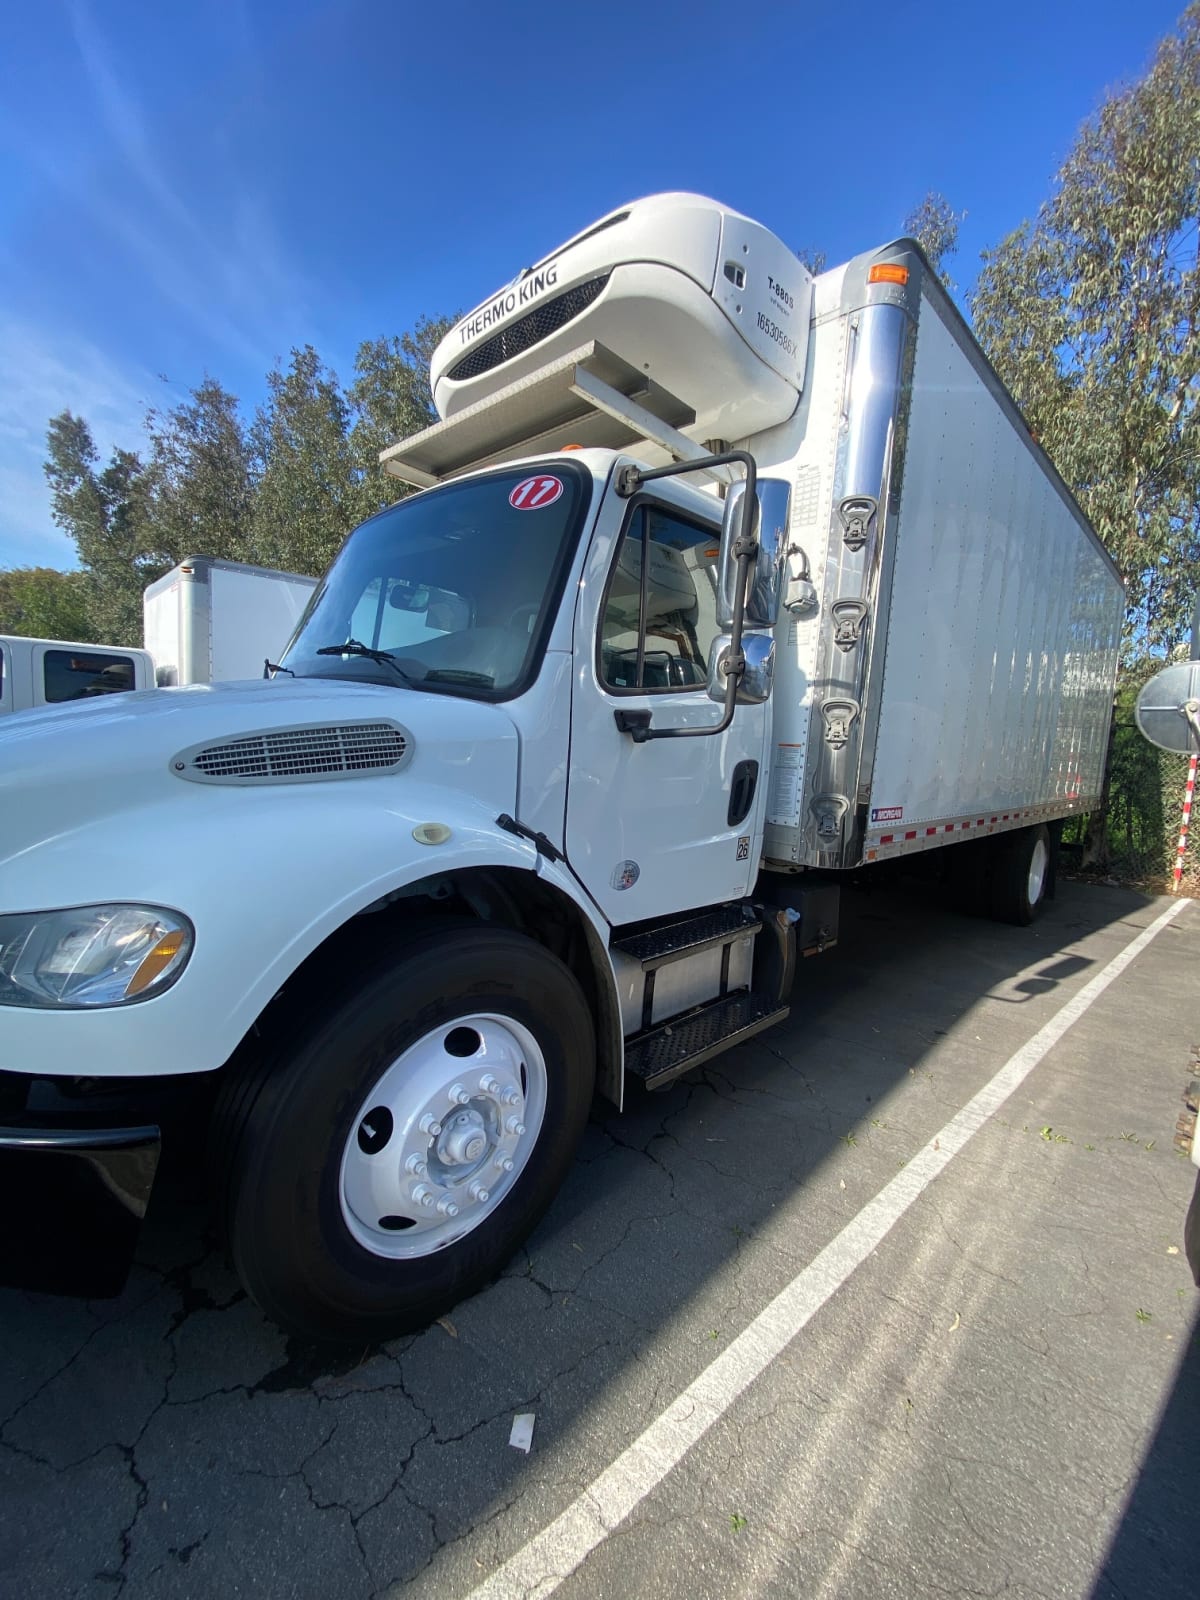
[1136, 840]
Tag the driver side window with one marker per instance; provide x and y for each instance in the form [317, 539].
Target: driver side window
[660, 611]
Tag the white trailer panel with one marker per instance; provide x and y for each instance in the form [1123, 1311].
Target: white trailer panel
[1004, 622]
[974, 686]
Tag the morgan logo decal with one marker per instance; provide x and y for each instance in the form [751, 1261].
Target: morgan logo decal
[625, 874]
[887, 814]
[534, 494]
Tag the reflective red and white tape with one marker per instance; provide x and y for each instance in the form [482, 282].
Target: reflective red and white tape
[1189, 790]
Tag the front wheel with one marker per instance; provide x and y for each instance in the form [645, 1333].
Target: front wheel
[390, 1161]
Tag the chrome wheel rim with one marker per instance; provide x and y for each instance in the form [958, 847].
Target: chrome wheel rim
[1037, 871]
[442, 1136]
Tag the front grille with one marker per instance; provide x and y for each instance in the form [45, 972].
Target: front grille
[530, 330]
[294, 754]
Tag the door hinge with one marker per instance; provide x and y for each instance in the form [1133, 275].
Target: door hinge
[539, 841]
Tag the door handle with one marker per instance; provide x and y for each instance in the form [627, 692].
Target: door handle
[741, 792]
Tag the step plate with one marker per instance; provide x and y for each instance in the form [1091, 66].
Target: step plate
[679, 939]
[679, 1046]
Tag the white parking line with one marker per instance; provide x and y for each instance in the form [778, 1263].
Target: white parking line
[550, 1557]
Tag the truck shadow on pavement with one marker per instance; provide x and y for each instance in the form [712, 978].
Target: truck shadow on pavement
[1153, 1550]
[173, 1441]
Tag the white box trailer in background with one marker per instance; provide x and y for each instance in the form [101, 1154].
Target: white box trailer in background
[209, 621]
[728, 581]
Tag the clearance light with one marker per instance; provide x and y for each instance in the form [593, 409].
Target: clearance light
[887, 272]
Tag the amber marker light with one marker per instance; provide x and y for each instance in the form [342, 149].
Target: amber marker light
[887, 272]
[156, 962]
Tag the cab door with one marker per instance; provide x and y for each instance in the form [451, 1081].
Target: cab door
[671, 824]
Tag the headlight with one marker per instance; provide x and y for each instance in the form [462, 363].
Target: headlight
[91, 955]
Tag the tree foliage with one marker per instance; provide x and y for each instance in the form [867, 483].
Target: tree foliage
[199, 479]
[42, 603]
[934, 225]
[390, 399]
[105, 513]
[282, 491]
[304, 503]
[1091, 313]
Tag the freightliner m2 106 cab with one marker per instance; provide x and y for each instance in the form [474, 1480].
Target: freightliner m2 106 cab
[721, 581]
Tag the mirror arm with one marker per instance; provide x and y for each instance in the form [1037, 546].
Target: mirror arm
[629, 480]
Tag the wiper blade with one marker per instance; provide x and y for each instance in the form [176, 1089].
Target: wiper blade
[353, 647]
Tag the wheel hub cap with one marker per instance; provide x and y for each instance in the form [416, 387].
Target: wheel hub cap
[442, 1136]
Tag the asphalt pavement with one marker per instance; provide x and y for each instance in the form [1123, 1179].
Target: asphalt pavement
[955, 1159]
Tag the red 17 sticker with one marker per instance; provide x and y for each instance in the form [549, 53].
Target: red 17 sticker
[534, 494]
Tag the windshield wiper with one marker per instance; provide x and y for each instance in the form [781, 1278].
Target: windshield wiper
[353, 647]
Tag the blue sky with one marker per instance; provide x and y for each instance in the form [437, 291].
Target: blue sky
[188, 188]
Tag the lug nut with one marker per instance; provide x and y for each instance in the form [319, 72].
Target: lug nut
[429, 1124]
[488, 1084]
[514, 1125]
[447, 1208]
[416, 1166]
[457, 1095]
[504, 1164]
[478, 1192]
[510, 1097]
[423, 1195]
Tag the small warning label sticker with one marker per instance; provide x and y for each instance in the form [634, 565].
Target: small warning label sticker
[887, 814]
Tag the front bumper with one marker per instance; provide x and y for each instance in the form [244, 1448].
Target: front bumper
[73, 1200]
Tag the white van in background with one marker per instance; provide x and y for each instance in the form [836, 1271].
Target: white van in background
[49, 672]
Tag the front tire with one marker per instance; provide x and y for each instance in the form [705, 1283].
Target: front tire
[393, 1155]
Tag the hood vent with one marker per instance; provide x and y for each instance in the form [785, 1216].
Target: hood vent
[298, 755]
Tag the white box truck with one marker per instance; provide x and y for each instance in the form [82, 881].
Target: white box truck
[723, 581]
[49, 672]
[209, 621]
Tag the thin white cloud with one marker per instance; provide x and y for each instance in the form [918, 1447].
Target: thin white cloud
[43, 375]
[231, 276]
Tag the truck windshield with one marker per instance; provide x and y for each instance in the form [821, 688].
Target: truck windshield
[452, 590]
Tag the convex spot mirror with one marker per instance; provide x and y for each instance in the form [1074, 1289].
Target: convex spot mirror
[765, 593]
[755, 687]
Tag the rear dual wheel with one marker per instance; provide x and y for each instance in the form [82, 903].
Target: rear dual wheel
[1020, 880]
[398, 1149]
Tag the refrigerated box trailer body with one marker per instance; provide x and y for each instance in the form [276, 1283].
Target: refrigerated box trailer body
[957, 676]
[209, 621]
[727, 581]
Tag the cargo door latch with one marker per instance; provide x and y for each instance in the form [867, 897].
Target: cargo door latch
[838, 715]
[848, 619]
[857, 513]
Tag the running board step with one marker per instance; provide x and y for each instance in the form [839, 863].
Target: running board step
[675, 940]
[661, 1055]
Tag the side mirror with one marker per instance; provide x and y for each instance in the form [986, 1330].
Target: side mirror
[765, 594]
[755, 687]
